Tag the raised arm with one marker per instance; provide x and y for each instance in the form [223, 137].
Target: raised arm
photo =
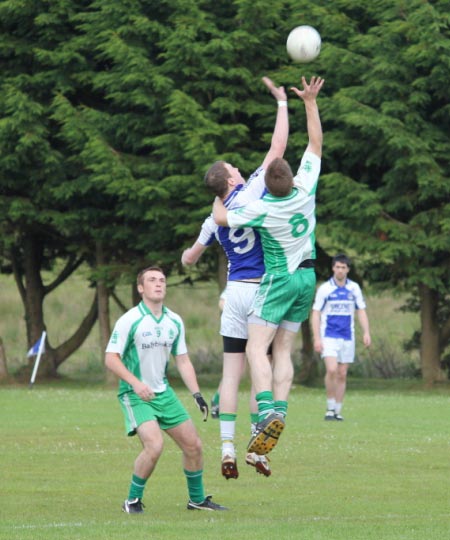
[314, 126]
[281, 129]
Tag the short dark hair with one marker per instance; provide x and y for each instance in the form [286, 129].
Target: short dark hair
[216, 178]
[140, 276]
[279, 178]
[341, 258]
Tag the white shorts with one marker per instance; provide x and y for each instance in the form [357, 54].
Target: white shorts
[239, 299]
[341, 349]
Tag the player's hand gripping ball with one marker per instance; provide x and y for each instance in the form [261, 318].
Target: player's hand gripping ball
[303, 44]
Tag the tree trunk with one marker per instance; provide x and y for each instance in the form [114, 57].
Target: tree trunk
[430, 352]
[27, 274]
[103, 310]
[135, 296]
[32, 292]
[3, 367]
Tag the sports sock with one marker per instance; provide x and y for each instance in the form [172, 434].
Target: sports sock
[195, 485]
[265, 404]
[215, 399]
[281, 407]
[338, 408]
[227, 426]
[331, 404]
[253, 421]
[136, 487]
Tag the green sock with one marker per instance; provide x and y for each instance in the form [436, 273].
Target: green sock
[265, 404]
[195, 485]
[281, 407]
[231, 417]
[136, 487]
[215, 399]
[254, 417]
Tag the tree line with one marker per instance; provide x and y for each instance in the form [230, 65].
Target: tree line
[111, 111]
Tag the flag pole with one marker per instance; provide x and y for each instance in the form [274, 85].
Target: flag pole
[38, 358]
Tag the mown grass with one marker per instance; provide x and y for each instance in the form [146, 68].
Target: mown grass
[381, 474]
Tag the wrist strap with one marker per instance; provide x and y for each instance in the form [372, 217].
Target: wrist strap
[282, 103]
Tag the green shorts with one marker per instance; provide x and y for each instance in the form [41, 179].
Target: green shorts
[285, 297]
[165, 408]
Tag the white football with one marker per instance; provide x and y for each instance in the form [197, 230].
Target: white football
[303, 43]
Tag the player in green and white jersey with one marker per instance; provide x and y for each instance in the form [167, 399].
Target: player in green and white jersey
[138, 352]
[285, 219]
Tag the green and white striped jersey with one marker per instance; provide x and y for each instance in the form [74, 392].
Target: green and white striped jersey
[146, 343]
[286, 224]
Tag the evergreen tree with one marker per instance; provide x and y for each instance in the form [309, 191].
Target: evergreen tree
[386, 194]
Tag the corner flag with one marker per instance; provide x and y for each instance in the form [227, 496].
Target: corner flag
[37, 349]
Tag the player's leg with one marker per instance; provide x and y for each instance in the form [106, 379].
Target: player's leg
[270, 424]
[283, 369]
[233, 367]
[341, 384]
[330, 380]
[141, 419]
[186, 437]
[214, 410]
[152, 445]
[260, 336]
[346, 357]
[261, 463]
[233, 328]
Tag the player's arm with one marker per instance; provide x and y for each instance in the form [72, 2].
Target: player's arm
[364, 323]
[220, 213]
[204, 240]
[315, 325]
[192, 255]
[114, 363]
[313, 123]
[187, 372]
[281, 130]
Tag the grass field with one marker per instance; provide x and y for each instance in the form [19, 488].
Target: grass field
[382, 474]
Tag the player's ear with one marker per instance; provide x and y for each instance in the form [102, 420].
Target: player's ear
[140, 289]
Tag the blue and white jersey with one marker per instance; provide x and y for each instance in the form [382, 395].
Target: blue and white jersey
[242, 246]
[338, 305]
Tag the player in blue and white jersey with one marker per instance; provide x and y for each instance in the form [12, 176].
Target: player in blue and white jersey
[285, 218]
[138, 352]
[245, 268]
[333, 326]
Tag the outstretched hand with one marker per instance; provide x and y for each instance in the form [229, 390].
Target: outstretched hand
[279, 93]
[310, 91]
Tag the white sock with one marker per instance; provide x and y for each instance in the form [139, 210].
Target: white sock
[228, 449]
[227, 429]
[338, 408]
[331, 404]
